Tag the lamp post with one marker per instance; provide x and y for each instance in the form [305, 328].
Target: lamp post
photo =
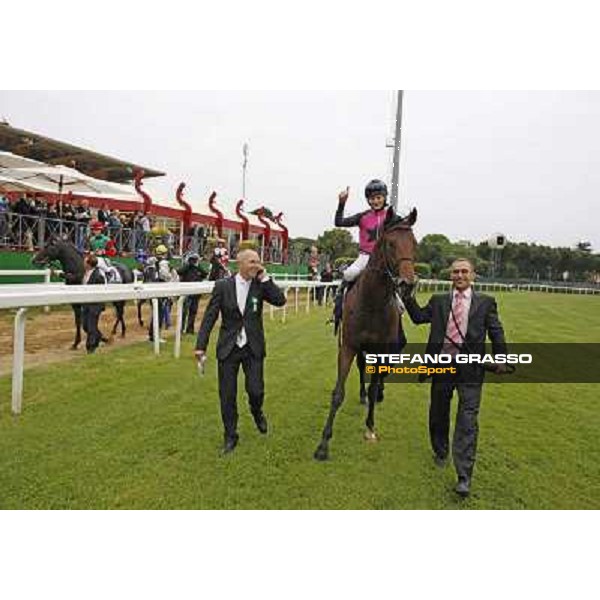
[245, 151]
[396, 156]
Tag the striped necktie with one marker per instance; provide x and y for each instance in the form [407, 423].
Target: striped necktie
[454, 328]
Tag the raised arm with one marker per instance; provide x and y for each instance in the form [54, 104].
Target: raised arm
[272, 293]
[340, 220]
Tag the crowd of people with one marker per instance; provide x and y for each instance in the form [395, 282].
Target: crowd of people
[25, 220]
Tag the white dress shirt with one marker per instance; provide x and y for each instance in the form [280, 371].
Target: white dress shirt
[242, 287]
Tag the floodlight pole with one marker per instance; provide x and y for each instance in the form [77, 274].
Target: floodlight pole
[244, 165]
[396, 159]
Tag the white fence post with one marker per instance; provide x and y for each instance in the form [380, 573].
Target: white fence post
[308, 299]
[155, 326]
[18, 361]
[47, 276]
[177, 350]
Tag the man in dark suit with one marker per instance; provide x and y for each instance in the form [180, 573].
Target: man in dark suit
[460, 322]
[239, 299]
[90, 313]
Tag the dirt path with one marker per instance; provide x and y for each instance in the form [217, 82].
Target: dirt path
[48, 337]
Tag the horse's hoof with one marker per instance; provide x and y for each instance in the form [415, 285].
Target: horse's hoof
[371, 436]
[74, 346]
[321, 453]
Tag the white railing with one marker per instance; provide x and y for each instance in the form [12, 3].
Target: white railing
[433, 285]
[24, 296]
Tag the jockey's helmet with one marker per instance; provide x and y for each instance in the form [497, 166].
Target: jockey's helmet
[376, 187]
[161, 249]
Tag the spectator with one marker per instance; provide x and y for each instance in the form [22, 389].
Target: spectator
[191, 271]
[4, 206]
[99, 239]
[158, 270]
[21, 207]
[104, 214]
[82, 218]
[219, 261]
[326, 277]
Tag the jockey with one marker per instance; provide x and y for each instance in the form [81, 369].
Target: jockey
[110, 272]
[219, 261]
[370, 223]
[99, 239]
[163, 266]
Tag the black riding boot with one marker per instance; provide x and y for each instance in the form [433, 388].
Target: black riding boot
[338, 303]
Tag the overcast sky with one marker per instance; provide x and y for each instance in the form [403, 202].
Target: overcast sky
[474, 163]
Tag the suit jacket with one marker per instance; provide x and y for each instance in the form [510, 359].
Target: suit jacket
[483, 321]
[224, 301]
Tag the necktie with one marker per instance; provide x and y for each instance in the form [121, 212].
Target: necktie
[455, 325]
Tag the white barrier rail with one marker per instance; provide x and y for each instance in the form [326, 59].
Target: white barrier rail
[47, 274]
[24, 296]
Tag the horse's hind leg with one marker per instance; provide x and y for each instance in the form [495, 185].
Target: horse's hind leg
[77, 313]
[345, 358]
[120, 310]
[140, 303]
[374, 392]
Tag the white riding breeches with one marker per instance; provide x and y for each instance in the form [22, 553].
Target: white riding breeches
[357, 267]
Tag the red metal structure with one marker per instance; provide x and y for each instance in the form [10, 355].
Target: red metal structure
[187, 209]
[217, 212]
[243, 219]
[146, 200]
[284, 237]
[267, 234]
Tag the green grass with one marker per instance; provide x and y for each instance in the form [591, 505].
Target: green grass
[127, 430]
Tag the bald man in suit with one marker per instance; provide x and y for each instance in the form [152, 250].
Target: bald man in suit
[239, 300]
[460, 321]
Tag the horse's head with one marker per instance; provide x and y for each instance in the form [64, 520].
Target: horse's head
[395, 251]
[47, 254]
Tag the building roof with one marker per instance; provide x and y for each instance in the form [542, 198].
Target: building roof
[53, 152]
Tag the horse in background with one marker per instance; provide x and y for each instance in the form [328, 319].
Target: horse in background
[371, 316]
[71, 263]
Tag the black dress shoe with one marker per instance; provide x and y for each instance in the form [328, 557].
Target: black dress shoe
[463, 487]
[440, 461]
[229, 445]
[261, 423]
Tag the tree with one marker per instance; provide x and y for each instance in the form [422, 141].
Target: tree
[337, 243]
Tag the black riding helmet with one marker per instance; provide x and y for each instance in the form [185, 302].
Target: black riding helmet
[375, 187]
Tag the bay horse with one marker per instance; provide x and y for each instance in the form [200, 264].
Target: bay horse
[73, 269]
[371, 316]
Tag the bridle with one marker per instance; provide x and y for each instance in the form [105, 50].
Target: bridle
[391, 269]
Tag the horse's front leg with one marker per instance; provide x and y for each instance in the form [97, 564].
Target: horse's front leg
[345, 358]
[123, 326]
[119, 310]
[77, 314]
[360, 363]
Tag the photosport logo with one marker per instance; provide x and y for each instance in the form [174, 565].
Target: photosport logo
[523, 363]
